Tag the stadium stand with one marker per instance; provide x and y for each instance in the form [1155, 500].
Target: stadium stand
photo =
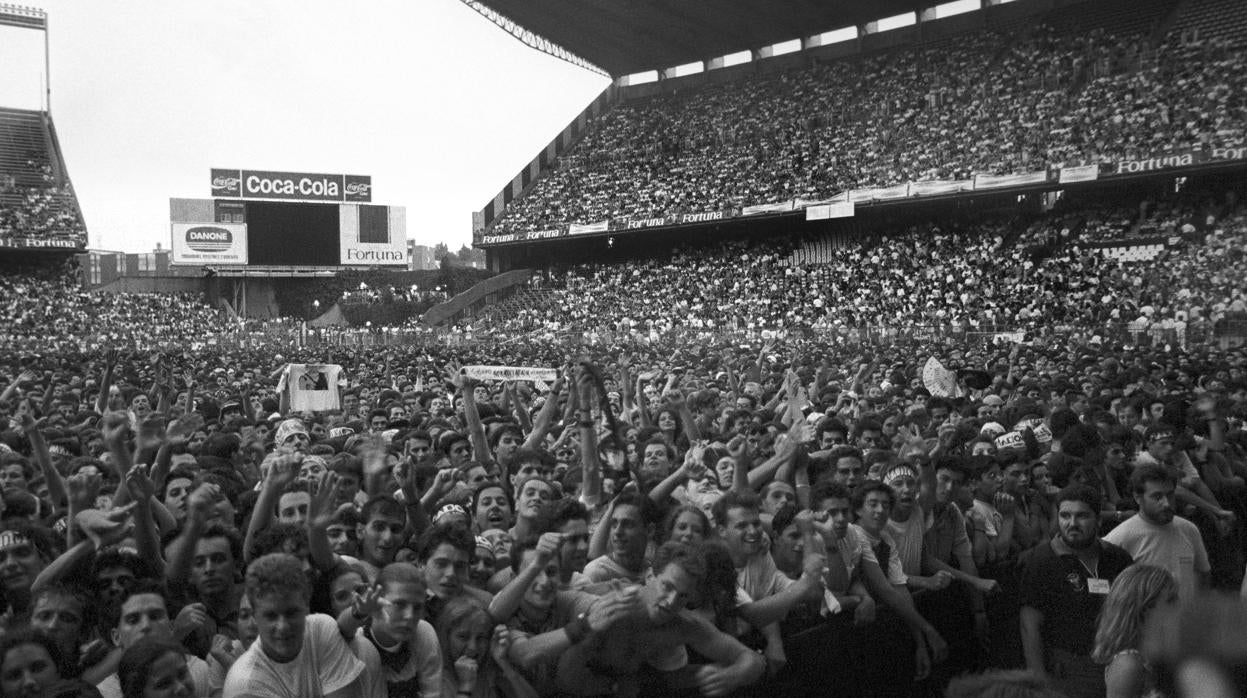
[36, 199]
[687, 424]
[1090, 85]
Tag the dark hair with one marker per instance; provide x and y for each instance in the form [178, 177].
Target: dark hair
[232, 537]
[647, 507]
[828, 489]
[1081, 493]
[557, 513]
[783, 519]
[734, 499]
[135, 666]
[668, 522]
[1150, 473]
[438, 535]
[866, 489]
[687, 558]
[12, 640]
[111, 616]
[384, 506]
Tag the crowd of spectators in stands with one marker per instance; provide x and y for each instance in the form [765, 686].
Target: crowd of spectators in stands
[39, 211]
[945, 274]
[985, 103]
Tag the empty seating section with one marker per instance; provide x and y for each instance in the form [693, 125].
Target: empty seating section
[1214, 20]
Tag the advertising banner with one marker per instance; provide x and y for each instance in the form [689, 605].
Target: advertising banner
[986, 181]
[780, 207]
[372, 235]
[1086, 173]
[940, 186]
[291, 186]
[640, 223]
[1179, 158]
[838, 210]
[42, 243]
[583, 228]
[209, 243]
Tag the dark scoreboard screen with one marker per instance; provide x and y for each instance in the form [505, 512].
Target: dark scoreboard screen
[292, 233]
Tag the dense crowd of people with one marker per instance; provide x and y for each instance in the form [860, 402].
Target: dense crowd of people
[1065, 93]
[652, 519]
[695, 473]
[43, 210]
[945, 274]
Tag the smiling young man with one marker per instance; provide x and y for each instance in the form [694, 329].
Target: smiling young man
[654, 632]
[1064, 585]
[444, 554]
[296, 653]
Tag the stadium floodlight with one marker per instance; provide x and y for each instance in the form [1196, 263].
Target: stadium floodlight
[31, 18]
[533, 40]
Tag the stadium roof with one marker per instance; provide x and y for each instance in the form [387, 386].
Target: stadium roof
[633, 36]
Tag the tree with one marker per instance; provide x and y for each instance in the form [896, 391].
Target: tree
[440, 251]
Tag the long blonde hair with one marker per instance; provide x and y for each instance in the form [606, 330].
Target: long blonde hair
[1135, 592]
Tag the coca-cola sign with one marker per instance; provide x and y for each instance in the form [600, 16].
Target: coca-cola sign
[291, 186]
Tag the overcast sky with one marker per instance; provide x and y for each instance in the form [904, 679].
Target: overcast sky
[438, 105]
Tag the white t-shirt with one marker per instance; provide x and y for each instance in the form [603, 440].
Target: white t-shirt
[325, 664]
[1177, 547]
[313, 387]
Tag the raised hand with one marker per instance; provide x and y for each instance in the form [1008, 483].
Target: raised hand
[369, 603]
[115, 428]
[191, 616]
[150, 434]
[224, 651]
[83, 490]
[104, 529]
[454, 373]
[284, 469]
[30, 424]
[140, 484]
[609, 608]
[200, 502]
[738, 447]
[694, 466]
[548, 547]
[500, 644]
[320, 510]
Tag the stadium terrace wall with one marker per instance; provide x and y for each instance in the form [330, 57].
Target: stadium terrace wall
[561, 144]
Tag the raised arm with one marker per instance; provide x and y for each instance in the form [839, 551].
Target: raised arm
[541, 426]
[507, 601]
[281, 472]
[182, 550]
[39, 449]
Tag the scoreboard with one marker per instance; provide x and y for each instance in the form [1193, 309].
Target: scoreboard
[321, 232]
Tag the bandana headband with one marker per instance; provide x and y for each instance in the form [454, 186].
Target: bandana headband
[899, 472]
[12, 539]
[448, 510]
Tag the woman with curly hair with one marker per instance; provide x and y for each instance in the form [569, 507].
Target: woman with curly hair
[1136, 592]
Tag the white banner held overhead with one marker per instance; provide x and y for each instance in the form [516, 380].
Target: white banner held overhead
[510, 373]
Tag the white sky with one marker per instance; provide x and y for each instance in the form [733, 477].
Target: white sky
[438, 105]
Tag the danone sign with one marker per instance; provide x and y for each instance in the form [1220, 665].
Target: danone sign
[209, 243]
[292, 186]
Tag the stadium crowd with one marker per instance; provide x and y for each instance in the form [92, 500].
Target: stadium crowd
[657, 519]
[946, 274]
[1065, 93]
[41, 211]
[697, 479]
